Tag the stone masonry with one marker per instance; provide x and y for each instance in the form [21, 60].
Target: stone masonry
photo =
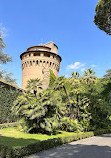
[37, 62]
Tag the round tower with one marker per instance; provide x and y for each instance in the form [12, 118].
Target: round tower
[37, 62]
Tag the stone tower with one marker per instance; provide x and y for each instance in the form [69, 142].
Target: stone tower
[37, 62]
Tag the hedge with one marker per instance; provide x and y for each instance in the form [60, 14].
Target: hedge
[5, 125]
[8, 94]
[7, 152]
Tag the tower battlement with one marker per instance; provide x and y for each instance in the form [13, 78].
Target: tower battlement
[37, 62]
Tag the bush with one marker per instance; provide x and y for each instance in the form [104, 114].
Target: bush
[70, 125]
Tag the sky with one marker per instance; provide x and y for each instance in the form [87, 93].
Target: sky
[68, 23]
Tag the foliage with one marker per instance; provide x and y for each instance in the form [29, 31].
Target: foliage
[40, 113]
[107, 76]
[33, 85]
[103, 15]
[22, 144]
[79, 103]
[75, 75]
[98, 107]
[52, 78]
[71, 104]
[4, 58]
[8, 94]
[89, 76]
[70, 125]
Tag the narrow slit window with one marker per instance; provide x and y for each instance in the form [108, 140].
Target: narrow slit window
[30, 63]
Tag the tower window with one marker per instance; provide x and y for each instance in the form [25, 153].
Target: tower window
[46, 54]
[25, 64]
[50, 63]
[37, 62]
[53, 57]
[30, 63]
[36, 54]
[29, 55]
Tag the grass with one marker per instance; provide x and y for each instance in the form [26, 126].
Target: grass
[14, 143]
[11, 137]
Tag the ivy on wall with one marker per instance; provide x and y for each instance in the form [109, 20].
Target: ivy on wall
[8, 94]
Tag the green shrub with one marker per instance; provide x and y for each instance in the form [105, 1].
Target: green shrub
[70, 125]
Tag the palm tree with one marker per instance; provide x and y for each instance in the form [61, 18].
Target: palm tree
[60, 84]
[107, 76]
[89, 76]
[75, 75]
[34, 85]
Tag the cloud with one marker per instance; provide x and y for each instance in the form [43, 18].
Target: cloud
[93, 65]
[3, 30]
[75, 66]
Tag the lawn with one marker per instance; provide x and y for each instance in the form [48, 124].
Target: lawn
[13, 138]
[14, 143]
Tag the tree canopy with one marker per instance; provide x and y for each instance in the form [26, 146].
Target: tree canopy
[103, 15]
[4, 58]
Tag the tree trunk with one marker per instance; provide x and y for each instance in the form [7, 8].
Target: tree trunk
[77, 107]
[68, 100]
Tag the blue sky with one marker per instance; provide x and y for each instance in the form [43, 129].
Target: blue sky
[68, 23]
